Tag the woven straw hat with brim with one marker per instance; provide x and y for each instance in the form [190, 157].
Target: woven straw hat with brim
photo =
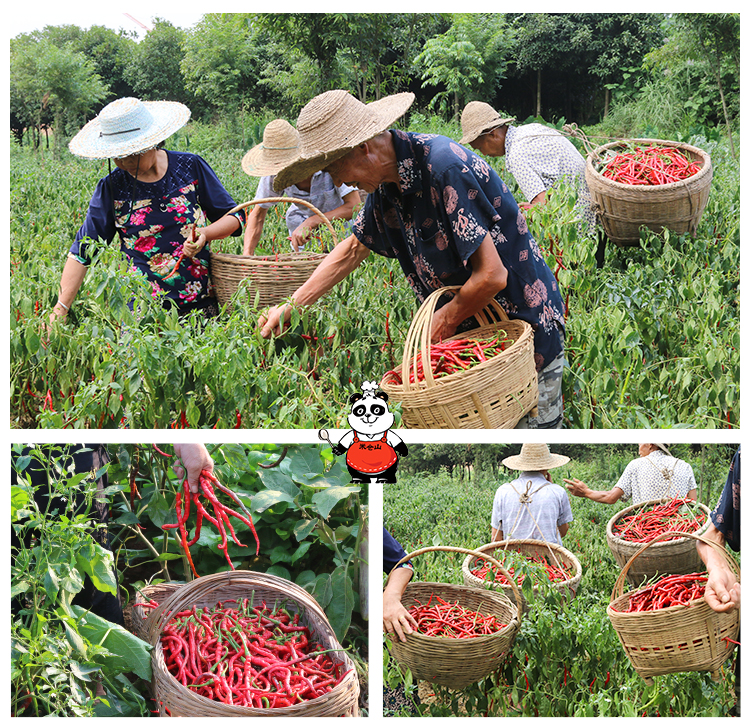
[535, 456]
[478, 118]
[663, 447]
[280, 147]
[128, 126]
[334, 123]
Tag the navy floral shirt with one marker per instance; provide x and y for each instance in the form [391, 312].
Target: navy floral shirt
[449, 200]
[153, 230]
[726, 516]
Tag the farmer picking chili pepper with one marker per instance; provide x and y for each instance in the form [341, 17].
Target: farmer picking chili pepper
[654, 475]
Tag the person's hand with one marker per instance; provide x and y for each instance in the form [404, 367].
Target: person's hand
[442, 328]
[722, 590]
[58, 313]
[195, 459]
[396, 619]
[193, 246]
[575, 487]
[272, 320]
[524, 206]
[299, 237]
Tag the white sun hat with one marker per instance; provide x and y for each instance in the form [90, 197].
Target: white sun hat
[128, 126]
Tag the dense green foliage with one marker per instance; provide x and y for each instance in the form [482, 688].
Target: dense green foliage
[559, 65]
[310, 519]
[567, 659]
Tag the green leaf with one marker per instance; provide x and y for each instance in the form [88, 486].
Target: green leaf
[303, 528]
[327, 499]
[19, 588]
[300, 552]
[18, 500]
[96, 562]
[75, 640]
[339, 610]
[278, 479]
[322, 590]
[128, 652]
[268, 498]
[279, 571]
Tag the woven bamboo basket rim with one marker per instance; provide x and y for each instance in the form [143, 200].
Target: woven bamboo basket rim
[646, 190]
[619, 586]
[630, 545]
[248, 259]
[571, 582]
[341, 698]
[147, 593]
[483, 556]
[418, 341]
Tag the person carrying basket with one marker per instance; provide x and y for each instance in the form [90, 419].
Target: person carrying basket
[443, 213]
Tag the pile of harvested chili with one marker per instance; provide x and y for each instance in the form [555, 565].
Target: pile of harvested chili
[452, 620]
[248, 656]
[651, 521]
[454, 356]
[514, 564]
[220, 520]
[650, 165]
[669, 591]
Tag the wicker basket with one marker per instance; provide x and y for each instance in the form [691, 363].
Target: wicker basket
[458, 662]
[678, 557]
[273, 277]
[623, 209]
[493, 394]
[540, 549]
[236, 585]
[151, 592]
[675, 639]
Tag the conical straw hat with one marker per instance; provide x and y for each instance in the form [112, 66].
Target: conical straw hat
[280, 147]
[128, 126]
[334, 123]
[535, 456]
[479, 117]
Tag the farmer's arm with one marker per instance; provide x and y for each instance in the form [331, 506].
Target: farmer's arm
[722, 589]
[396, 619]
[693, 495]
[488, 277]
[222, 228]
[562, 529]
[580, 489]
[254, 229]
[496, 534]
[341, 261]
[70, 283]
[539, 199]
[344, 212]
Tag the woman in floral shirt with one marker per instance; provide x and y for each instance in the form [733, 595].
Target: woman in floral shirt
[164, 206]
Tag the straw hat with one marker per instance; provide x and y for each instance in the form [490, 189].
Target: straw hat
[662, 447]
[128, 126]
[280, 147]
[535, 456]
[479, 117]
[334, 123]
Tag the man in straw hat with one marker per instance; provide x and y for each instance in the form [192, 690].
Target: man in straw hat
[654, 475]
[280, 147]
[531, 507]
[163, 206]
[443, 213]
[537, 156]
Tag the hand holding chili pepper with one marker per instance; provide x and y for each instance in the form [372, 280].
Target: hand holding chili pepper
[195, 459]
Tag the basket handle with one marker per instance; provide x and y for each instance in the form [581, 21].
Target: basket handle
[419, 337]
[289, 201]
[499, 543]
[446, 548]
[619, 586]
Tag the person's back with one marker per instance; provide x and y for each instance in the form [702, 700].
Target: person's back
[656, 476]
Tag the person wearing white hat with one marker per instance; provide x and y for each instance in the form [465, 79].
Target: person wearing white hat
[163, 206]
[443, 213]
[536, 155]
[280, 146]
[531, 507]
[655, 474]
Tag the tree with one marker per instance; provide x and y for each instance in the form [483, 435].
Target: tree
[154, 69]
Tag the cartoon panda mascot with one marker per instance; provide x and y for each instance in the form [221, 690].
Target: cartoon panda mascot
[371, 447]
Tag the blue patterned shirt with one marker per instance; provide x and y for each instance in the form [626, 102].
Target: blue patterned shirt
[726, 516]
[449, 200]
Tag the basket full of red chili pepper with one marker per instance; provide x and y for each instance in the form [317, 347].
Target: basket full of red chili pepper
[668, 627]
[540, 561]
[464, 633]
[246, 643]
[656, 183]
[482, 378]
[636, 525]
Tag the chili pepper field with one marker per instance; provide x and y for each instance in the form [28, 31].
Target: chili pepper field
[652, 337]
[567, 659]
[311, 528]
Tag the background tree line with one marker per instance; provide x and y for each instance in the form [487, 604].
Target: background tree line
[583, 67]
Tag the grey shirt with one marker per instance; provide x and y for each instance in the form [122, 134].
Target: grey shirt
[549, 508]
